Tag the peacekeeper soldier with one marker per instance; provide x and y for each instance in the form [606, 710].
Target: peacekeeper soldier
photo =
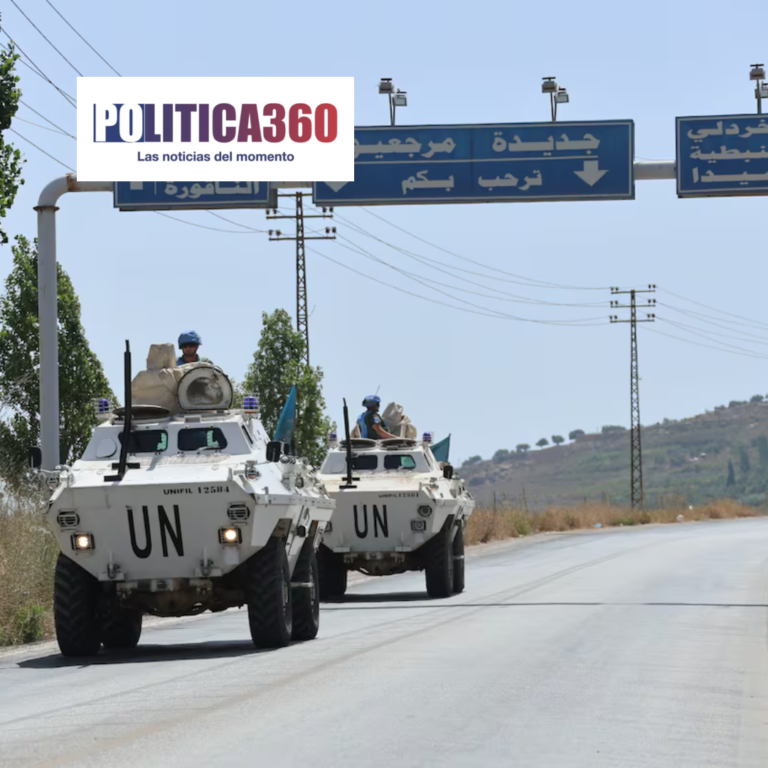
[371, 424]
[189, 341]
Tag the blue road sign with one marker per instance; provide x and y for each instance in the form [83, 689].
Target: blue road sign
[722, 155]
[523, 162]
[181, 195]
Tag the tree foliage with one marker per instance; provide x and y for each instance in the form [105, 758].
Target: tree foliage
[277, 365]
[10, 157]
[576, 434]
[557, 439]
[501, 455]
[472, 460]
[731, 479]
[543, 442]
[744, 464]
[522, 448]
[756, 399]
[81, 377]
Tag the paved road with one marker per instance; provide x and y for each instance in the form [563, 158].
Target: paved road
[622, 648]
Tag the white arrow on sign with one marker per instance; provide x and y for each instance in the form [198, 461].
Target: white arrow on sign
[336, 185]
[591, 173]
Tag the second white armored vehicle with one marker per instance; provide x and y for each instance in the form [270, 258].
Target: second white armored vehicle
[179, 505]
[397, 509]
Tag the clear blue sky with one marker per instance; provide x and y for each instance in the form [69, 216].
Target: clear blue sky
[492, 383]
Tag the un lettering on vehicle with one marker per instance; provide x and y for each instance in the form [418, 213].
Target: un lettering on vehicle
[379, 521]
[168, 531]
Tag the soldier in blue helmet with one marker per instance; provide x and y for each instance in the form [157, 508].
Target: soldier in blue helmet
[371, 424]
[189, 341]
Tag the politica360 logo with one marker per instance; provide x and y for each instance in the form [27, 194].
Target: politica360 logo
[222, 129]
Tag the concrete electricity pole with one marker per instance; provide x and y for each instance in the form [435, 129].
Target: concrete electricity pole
[636, 453]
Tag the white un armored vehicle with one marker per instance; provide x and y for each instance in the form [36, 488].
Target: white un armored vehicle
[181, 505]
[397, 509]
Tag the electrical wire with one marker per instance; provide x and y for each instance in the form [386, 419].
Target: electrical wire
[21, 101]
[46, 39]
[699, 344]
[697, 332]
[82, 38]
[484, 295]
[37, 125]
[442, 267]
[535, 282]
[704, 318]
[70, 99]
[491, 313]
[40, 149]
[713, 309]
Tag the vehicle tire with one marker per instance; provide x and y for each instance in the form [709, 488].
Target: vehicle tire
[121, 628]
[76, 609]
[438, 565]
[458, 561]
[332, 573]
[306, 600]
[268, 595]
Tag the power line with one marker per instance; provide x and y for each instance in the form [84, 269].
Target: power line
[37, 125]
[433, 264]
[47, 40]
[706, 346]
[40, 149]
[688, 329]
[21, 101]
[82, 38]
[489, 313]
[537, 283]
[472, 282]
[701, 316]
[713, 309]
[237, 223]
[70, 100]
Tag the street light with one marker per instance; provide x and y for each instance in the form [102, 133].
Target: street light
[757, 73]
[396, 98]
[557, 95]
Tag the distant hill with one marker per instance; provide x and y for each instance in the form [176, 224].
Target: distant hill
[686, 459]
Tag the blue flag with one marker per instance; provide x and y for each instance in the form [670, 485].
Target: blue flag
[287, 422]
[440, 450]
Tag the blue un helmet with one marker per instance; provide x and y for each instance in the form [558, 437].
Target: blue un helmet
[371, 400]
[189, 337]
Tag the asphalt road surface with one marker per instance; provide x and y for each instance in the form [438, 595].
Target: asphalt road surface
[633, 647]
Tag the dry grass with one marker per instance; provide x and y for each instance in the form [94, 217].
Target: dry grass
[509, 521]
[28, 554]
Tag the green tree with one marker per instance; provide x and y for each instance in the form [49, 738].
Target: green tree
[762, 450]
[501, 455]
[744, 464]
[10, 157]
[731, 481]
[543, 442]
[522, 447]
[756, 399]
[278, 364]
[81, 377]
[576, 434]
[472, 460]
[557, 439]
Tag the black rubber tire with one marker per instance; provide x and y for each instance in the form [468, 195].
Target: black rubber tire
[332, 573]
[458, 561]
[306, 601]
[121, 629]
[76, 609]
[438, 564]
[268, 594]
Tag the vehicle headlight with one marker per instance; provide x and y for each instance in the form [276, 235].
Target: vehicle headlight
[424, 511]
[82, 541]
[230, 536]
[52, 481]
[419, 525]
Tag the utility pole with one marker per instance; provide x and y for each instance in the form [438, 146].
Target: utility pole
[636, 453]
[302, 315]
